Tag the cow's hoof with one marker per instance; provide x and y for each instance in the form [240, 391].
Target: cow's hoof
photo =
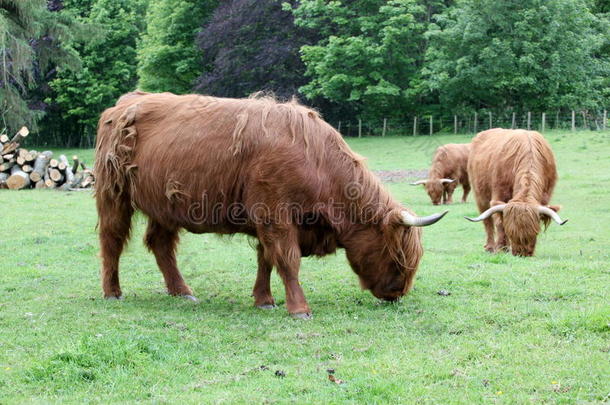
[267, 306]
[190, 297]
[114, 298]
[302, 315]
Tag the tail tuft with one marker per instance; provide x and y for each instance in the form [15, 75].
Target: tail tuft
[115, 172]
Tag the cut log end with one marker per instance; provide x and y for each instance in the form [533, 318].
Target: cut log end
[35, 177]
[18, 180]
[50, 183]
[56, 175]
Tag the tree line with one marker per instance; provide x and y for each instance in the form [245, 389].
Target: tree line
[62, 62]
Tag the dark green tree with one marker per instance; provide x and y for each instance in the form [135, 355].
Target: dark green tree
[109, 68]
[521, 54]
[371, 54]
[168, 58]
[601, 6]
[33, 40]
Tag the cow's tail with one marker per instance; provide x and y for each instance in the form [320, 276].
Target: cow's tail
[115, 172]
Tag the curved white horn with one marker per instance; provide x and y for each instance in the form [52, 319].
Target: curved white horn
[413, 220]
[488, 213]
[418, 182]
[447, 181]
[549, 212]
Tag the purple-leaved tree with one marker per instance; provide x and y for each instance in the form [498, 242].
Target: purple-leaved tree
[249, 46]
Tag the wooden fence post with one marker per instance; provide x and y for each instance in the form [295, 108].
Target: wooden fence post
[490, 121]
[339, 129]
[557, 119]
[543, 121]
[359, 128]
[476, 119]
[415, 125]
[514, 123]
[431, 125]
[584, 119]
[529, 120]
[385, 126]
[455, 124]
[573, 120]
[605, 120]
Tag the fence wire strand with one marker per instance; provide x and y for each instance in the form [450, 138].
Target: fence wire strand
[474, 123]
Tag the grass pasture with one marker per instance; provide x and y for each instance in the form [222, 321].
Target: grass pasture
[512, 330]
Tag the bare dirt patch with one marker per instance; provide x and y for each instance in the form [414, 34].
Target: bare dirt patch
[395, 176]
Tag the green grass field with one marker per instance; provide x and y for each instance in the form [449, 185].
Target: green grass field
[513, 330]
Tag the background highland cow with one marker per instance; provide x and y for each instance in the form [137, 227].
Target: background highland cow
[449, 169]
[513, 174]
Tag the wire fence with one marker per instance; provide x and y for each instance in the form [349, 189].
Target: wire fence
[479, 121]
[417, 125]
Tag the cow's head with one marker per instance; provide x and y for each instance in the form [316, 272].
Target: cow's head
[521, 222]
[434, 188]
[386, 256]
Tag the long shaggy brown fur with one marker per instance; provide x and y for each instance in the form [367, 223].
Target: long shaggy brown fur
[516, 167]
[450, 161]
[187, 161]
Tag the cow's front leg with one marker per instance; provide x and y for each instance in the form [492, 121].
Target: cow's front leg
[466, 188]
[449, 190]
[449, 199]
[262, 287]
[162, 242]
[490, 245]
[281, 248]
[501, 244]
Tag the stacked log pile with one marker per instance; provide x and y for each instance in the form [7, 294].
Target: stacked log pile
[21, 168]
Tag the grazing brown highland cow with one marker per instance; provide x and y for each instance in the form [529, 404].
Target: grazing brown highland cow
[513, 174]
[275, 171]
[449, 169]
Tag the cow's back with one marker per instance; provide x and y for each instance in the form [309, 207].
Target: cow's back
[450, 161]
[185, 158]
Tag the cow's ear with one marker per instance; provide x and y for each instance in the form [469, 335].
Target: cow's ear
[394, 219]
[555, 208]
[493, 203]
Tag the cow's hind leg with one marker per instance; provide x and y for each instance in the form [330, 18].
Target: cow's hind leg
[114, 226]
[262, 287]
[162, 242]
